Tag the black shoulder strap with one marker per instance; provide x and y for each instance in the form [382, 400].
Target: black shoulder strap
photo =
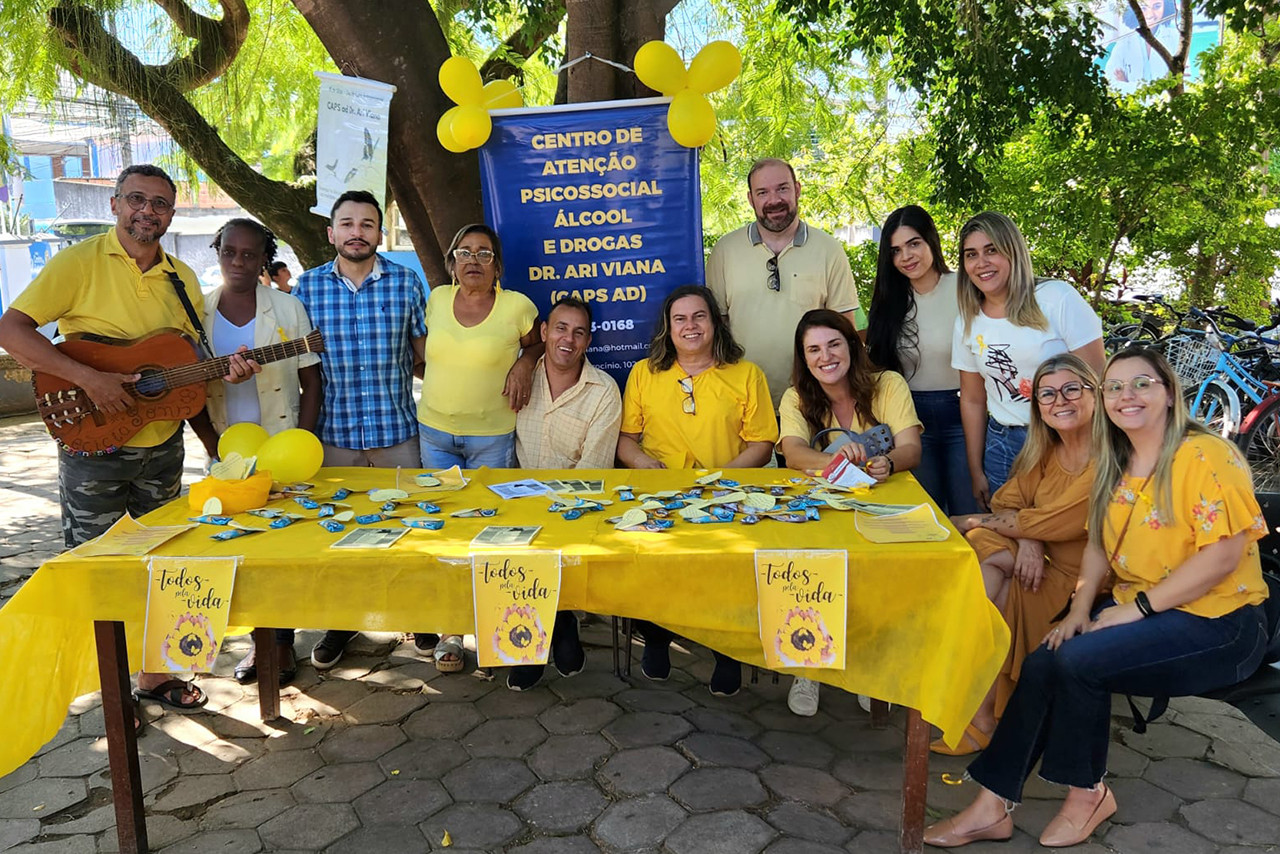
[191, 312]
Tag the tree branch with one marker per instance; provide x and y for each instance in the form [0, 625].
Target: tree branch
[99, 58]
[217, 41]
[1150, 37]
[535, 30]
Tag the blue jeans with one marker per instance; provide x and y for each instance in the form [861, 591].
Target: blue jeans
[441, 450]
[943, 469]
[1060, 713]
[1002, 446]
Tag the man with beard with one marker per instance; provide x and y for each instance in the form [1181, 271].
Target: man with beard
[570, 422]
[770, 272]
[121, 285]
[372, 313]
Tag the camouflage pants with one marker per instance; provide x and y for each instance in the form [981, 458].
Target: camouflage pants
[97, 491]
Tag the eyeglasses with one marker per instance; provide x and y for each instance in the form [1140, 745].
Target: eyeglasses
[484, 256]
[137, 202]
[1069, 391]
[1140, 384]
[686, 386]
[775, 283]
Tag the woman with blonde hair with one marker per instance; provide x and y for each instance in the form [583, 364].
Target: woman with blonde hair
[1009, 323]
[1031, 544]
[1173, 516]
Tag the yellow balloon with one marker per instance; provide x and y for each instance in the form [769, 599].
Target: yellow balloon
[471, 126]
[291, 456]
[715, 67]
[660, 68]
[501, 93]
[691, 119]
[461, 82]
[244, 439]
[444, 132]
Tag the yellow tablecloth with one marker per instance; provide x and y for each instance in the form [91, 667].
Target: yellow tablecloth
[921, 633]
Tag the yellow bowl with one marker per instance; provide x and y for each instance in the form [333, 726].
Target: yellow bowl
[236, 496]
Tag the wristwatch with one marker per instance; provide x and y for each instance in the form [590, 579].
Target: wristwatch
[889, 460]
[1144, 604]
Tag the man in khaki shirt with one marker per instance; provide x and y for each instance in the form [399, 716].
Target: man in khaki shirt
[571, 421]
[768, 273]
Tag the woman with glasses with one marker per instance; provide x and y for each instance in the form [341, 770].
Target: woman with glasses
[694, 403]
[1009, 323]
[1031, 544]
[913, 310]
[1172, 514]
[834, 387]
[482, 344]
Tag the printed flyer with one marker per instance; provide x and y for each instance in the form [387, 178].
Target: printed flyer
[801, 599]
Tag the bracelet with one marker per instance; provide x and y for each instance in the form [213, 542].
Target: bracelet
[1144, 604]
[889, 460]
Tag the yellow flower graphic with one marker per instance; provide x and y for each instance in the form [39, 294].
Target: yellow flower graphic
[519, 637]
[803, 640]
[190, 644]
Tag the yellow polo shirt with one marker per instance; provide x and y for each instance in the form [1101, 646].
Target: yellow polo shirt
[813, 272]
[732, 408]
[95, 287]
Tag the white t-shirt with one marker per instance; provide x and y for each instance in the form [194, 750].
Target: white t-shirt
[241, 398]
[935, 318]
[1007, 356]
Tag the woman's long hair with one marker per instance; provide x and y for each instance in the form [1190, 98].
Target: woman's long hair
[724, 349]
[1041, 438]
[474, 228]
[892, 321]
[1115, 450]
[815, 406]
[1022, 308]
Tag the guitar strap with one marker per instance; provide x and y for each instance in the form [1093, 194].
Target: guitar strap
[191, 312]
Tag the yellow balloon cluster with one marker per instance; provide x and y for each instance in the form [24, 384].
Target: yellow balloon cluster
[290, 455]
[468, 125]
[690, 118]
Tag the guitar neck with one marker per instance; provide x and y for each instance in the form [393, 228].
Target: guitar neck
[216, 368]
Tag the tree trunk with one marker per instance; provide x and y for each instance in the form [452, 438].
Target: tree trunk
[1200, 288]
[400, 42]
[612, 30]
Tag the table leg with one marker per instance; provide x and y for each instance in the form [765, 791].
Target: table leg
[915, 782]
[122, 741]
[617, 662]
[879, 714]
[264, 641]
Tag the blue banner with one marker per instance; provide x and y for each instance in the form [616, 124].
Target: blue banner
[599, 202]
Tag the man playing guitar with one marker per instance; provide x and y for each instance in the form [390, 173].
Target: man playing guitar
[119, 285]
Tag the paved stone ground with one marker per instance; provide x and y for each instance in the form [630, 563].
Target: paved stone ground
[385, 754]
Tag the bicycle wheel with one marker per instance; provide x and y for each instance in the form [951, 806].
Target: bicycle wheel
[1214, 412]
[1261, 445]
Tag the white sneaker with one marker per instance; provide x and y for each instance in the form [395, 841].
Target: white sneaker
[865, 702]
[802, 699]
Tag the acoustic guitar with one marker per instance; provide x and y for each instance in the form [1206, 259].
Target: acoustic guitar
[171, 385]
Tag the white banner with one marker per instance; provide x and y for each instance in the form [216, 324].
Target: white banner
[351, 141]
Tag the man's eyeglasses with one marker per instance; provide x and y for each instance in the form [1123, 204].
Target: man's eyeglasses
[484, 256]
[1140, 384]
[686, 386]
[1069, 391]
[137, 201]
[775, 283]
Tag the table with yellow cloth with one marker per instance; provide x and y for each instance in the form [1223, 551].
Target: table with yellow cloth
[921, 632]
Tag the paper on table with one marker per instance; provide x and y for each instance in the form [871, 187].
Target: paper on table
[445, 481]
[841, 472]
[129, 537]
[506, 535]
[576, 487]
[520, 488]
[917, 525]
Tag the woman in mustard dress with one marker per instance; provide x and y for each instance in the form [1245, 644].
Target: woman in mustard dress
[1031, 544]
[1173, 515]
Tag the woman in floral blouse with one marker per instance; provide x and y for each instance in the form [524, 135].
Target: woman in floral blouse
[1173, 515]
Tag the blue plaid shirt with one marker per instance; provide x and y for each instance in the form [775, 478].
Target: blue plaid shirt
[367, 363]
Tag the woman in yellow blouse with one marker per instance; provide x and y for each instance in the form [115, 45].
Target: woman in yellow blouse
[1031, 544]
[482, 344]
[1173, 515]
[834, 385]
[694, 403]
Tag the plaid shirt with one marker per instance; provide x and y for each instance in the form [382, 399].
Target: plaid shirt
[367, 363]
